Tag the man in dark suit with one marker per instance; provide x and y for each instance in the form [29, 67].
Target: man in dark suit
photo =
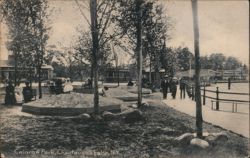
[165, 86]
[182, 88]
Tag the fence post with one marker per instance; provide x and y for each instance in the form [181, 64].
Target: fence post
[217, 98]
[204, 95]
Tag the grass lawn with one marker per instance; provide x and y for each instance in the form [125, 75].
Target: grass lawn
[25, 135]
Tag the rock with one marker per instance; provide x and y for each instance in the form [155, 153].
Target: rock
[108, 115]
[84, 116]
[199, 143]
[144, 103]
[134, 106]
[222, 136]
[184, 139]
[216, 138]
[133, 116]
[204, 134]
[210, 139]
[114, 124]
[97, 118]
[2, 155]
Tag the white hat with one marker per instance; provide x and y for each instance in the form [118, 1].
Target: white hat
[166, 76]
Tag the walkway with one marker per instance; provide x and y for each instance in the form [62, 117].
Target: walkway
[236, 122]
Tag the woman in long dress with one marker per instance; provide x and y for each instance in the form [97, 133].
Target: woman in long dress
[10, 98]
[18, 93]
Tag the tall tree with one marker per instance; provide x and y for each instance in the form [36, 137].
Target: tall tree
[231, 63]
[101, 20]
[199, 119]
[28, 33]
[38, 10]
[136, 21]
[139, 48]
[156, 32]
[95, 51]
[217, 60]
[183, 58]
[17, 18]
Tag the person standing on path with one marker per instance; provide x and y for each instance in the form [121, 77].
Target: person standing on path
[10, 98]
[27, 92]
[173, 86]
[18, 93]
[229, 83]
[165, 86]
[182, 88]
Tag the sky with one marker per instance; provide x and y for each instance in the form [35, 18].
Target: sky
[224, 25]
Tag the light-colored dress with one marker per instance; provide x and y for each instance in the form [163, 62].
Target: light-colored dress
[18, 94]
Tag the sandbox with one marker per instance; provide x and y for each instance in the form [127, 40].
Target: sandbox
[70, 105]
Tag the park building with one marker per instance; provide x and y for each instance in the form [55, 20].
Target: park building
[208, 75]
[236, 74]
[7, 70]
[205, 74]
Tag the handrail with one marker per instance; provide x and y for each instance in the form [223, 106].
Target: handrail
[235, 93]
[216, 99]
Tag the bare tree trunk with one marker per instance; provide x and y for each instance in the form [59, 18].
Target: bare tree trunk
[139, 50]
[39, 82]
[15, 71]
[95, 41]
[199, 119]
[150, 69]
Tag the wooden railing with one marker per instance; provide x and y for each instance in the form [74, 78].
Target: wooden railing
[217, 99]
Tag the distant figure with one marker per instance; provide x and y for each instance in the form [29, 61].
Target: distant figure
[102, 91]
[18, 93]
[88, 84]
[51, 87]
[182, 88]
[173, 86]
[229, 83]
[58, 86]
[165, 86]
[10, 98]
[130, 83]
[143, 82]
[27, 92]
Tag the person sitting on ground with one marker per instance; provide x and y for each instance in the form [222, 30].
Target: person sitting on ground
[10, 98]
[27, 92]
[130, 83]
[88, 84]
[102, 92]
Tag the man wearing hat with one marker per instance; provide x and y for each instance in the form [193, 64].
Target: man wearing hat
[165, 85]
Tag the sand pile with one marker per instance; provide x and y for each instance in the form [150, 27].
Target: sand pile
[118, 92]
[76, 100]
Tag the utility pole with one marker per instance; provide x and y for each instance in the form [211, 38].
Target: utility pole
[199, 119]
[95, 49]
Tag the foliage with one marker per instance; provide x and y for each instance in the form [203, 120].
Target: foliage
[28, 32]
[183, 57]
[218, 61]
